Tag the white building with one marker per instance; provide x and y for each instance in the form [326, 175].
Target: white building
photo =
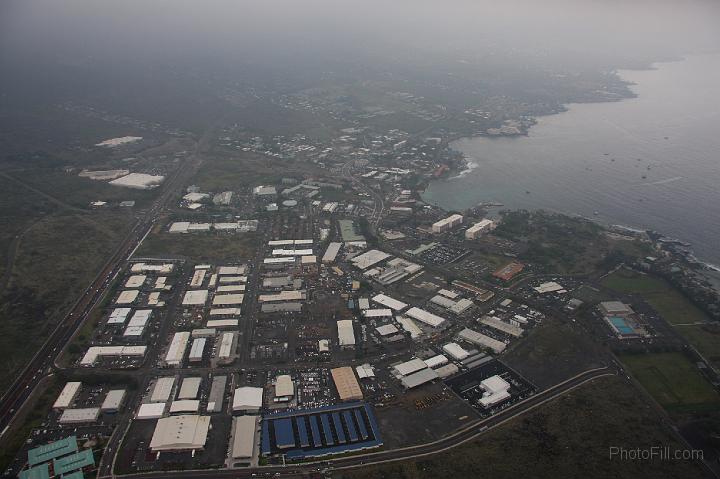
[247, 399]
[478, 229]
[284, 387]
[346, 335]
[180, 433]
[244, 434]
[447, 224]
[496, 391]
[176, 351]
[67, 395]
[77, 416]
[162, 389]
[455, 351]
[113, 400]
[425, 317]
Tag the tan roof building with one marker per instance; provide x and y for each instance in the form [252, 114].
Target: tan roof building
[346, 383]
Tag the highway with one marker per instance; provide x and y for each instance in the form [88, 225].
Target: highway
[468, 433]
[43, 362]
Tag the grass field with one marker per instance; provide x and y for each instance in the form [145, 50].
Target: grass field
[214, 247]
[59, 256]
[675, 308]
[550, 442]
[673, 381]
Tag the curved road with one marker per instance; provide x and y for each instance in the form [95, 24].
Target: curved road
[461, 436]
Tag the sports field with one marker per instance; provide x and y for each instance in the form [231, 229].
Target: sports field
[673, 381]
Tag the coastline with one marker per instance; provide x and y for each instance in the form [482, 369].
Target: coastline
[471, 164]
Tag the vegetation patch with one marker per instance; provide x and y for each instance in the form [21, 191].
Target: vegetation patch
[673, 381]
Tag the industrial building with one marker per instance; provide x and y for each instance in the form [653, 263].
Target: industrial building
[389, 302]
[410, 327]
[496, 391]
[226, 350]
[151, 411]
[67, 395]
[135, 281]
[418, 378]
[435, 361]
[190, 388]
[247, 399]
[96, 352]
[127, 297]
[500, 325]
[455, 351]
[81, 415]
[282, 296]
[216, 398]
[162, 389]
[550, 287]
[284, 388]
[331, 253]
[425, 317]
[137, 324]
[176, 351]
[180, 433]
[197, 349]
[222, 323]
[184, 406]
[228, 299]
[387, 330]
[482, 340]
[195, 298]
[446, 224]
[409, 367]
[320, 432]
[346, 384]
[244, 436]
[369, 258]
[118, 315]
[478, 229]
[113, 400]
[346, 335]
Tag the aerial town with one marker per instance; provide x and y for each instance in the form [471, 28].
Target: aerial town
[356, 320]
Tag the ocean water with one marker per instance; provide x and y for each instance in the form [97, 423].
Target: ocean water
[650, 162]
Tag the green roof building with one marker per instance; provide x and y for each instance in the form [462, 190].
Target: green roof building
[74, 475]
[36, 472]
[74, 462]
[50, 451]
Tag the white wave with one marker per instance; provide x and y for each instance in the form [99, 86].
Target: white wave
[663, 182]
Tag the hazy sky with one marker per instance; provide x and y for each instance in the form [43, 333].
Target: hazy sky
[242, 30]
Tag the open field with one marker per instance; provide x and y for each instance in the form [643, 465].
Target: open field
[563, 244]
[705, 338]
[231, 172]
[673, 381]
[59, 256]
[213, 247]
[675, 308]
[550, 443]
[553, 352]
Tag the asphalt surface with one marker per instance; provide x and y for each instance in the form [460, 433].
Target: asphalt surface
[461, 436]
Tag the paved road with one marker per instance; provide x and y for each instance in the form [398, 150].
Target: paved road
[44, 360]
[469, 433]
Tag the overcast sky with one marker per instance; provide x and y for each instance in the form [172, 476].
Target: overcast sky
[237, 30]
